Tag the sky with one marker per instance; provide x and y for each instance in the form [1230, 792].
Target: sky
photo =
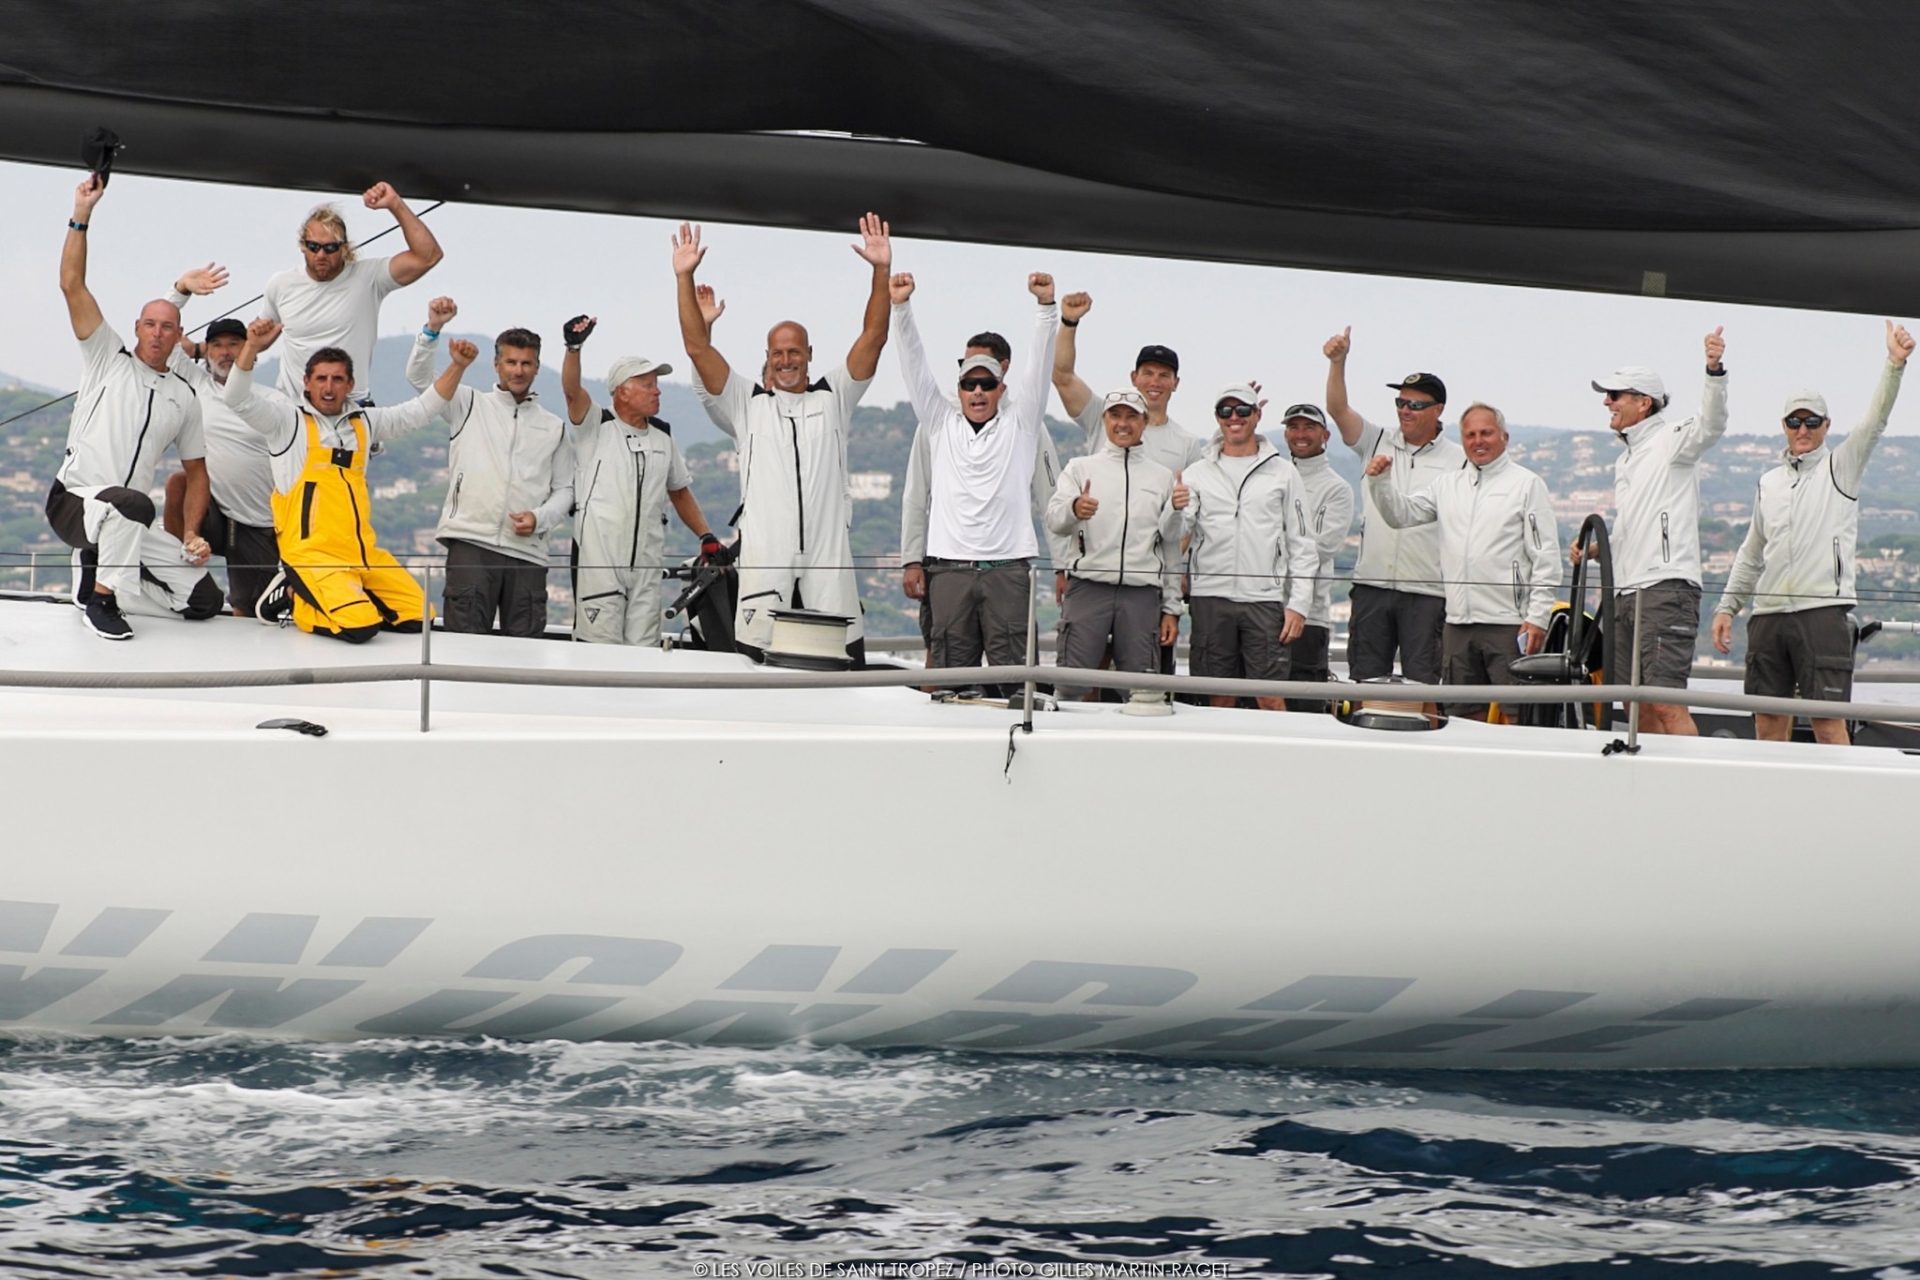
[1532, 352]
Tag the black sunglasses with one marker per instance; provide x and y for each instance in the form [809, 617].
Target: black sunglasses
[979, 384]
[1623, 394]
[1225, 411]
[1416, 406]
[1804, 424]
[330, 246]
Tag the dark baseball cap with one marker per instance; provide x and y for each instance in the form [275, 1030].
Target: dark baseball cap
[1156, 354]
[225, 327]
[1426, 382]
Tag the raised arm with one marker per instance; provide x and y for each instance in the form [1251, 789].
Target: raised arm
[188, 285]
[1706, 428]
[1399, 510]
[423, 252]
[440, 314]
[1039, 369]
[876, 249]
[1850, 459]
[1075, 394]
[267, 414]
[82, 310]
[386, 422]
[575, 334]
[929, 401]
[1342, 412]
[695, 333]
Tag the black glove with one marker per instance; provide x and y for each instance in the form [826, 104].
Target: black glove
[576, 332]
[714, 551]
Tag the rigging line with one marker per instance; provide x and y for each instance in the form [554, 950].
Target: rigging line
[28, 413]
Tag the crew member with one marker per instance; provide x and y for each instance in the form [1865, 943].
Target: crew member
[1796, 563]
[344, 583]
[239, 520]
[1499, 551]
[1328, 514]
[509, 484]
[1250, 553]
[1656, 533]
[333, 299]
[979, 543]
[791, 434]
[1156, 376]
[130, 406]
[1120, 513]
[1399, 603]
[917, 497]
[627, 468]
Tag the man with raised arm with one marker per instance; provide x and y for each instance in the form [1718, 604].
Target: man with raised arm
[1120, 513]
[1250, 554]
[917, 497]
[509, 484]
[1156, 376]
[130, 406]
[980, 543]
[1328, 515]
[627, 469]
[1796, 563]
[791, 435]
[1656, 527]
[344, 583]
[333, 299]
[238, 524]
[1399, 603]
[1499, 551]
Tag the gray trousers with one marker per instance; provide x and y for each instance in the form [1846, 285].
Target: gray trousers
[1094, 613]
[483, 583]
[977, 611]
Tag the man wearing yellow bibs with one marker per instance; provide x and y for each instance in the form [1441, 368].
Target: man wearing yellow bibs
[344, 583]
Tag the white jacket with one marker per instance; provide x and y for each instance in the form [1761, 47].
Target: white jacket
[1328, 514]
[1134, 536]
[1400, 560]
[503, 455]
[1799, 550]
[1656, 493]
[1499, 546]
[1248, 539]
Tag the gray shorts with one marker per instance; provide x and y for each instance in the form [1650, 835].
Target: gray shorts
[1096, 614]
[1807, 653]
[1238, 640]
[1671, 618]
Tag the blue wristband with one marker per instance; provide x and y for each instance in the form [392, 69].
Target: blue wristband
[433, 335]
[77, 226]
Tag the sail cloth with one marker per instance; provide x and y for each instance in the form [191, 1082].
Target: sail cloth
[1747, 150]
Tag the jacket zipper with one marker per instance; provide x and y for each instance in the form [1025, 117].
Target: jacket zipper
[454, 509]
[145, 423]
[1533, 524]
[639, 490]
[1517, 604]
[1666, 542]
[513, 438]
[1836, 566]
[1126, 512]
[799, 489]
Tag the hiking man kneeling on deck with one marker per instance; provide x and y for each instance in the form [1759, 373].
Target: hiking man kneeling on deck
[344, 584]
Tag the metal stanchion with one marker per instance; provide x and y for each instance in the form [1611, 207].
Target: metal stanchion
[1033, 642]
[33, 574]
[426, 651]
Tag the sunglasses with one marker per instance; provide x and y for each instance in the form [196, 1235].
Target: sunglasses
[1225, 411]
[1413, 406]
[1622, 395]
[979, 384]
[318, 246]
[1804, 424]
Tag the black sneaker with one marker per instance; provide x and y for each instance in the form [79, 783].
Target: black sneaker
[276, 602]
[83, 562]
[103, 615]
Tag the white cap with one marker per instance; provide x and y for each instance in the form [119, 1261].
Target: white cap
[1805, 400]
[1126, 396]
[1633, 377]
[1239, 391]
[984, 363]
[632, 367]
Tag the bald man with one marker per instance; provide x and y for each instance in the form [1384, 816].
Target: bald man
[129, 408]
[791, 433]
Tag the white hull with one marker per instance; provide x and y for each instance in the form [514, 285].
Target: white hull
[862, 867]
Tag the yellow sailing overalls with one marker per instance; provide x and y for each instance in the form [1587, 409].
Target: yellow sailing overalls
[343, 583]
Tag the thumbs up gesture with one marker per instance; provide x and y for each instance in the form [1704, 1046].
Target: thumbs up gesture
[1181, 495]
[1086, 504]
[1716, 347]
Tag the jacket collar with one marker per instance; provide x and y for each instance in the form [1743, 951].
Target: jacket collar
[1218, 449]
[1811, 457]
[1110, 449]
[1493, 468]
[1312, 466]
[1644, 430]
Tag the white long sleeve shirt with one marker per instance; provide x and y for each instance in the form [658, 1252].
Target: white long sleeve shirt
[1402, 559]
[1499, 546]
[1328, 515]
[1247, 533]
[279, 420]
[916, 500]
[980, 478]
[1799, 549]
[1656, 492]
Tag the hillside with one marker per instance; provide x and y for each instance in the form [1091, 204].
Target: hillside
[409, 482]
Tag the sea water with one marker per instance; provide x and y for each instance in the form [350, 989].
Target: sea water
[234, 1156]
